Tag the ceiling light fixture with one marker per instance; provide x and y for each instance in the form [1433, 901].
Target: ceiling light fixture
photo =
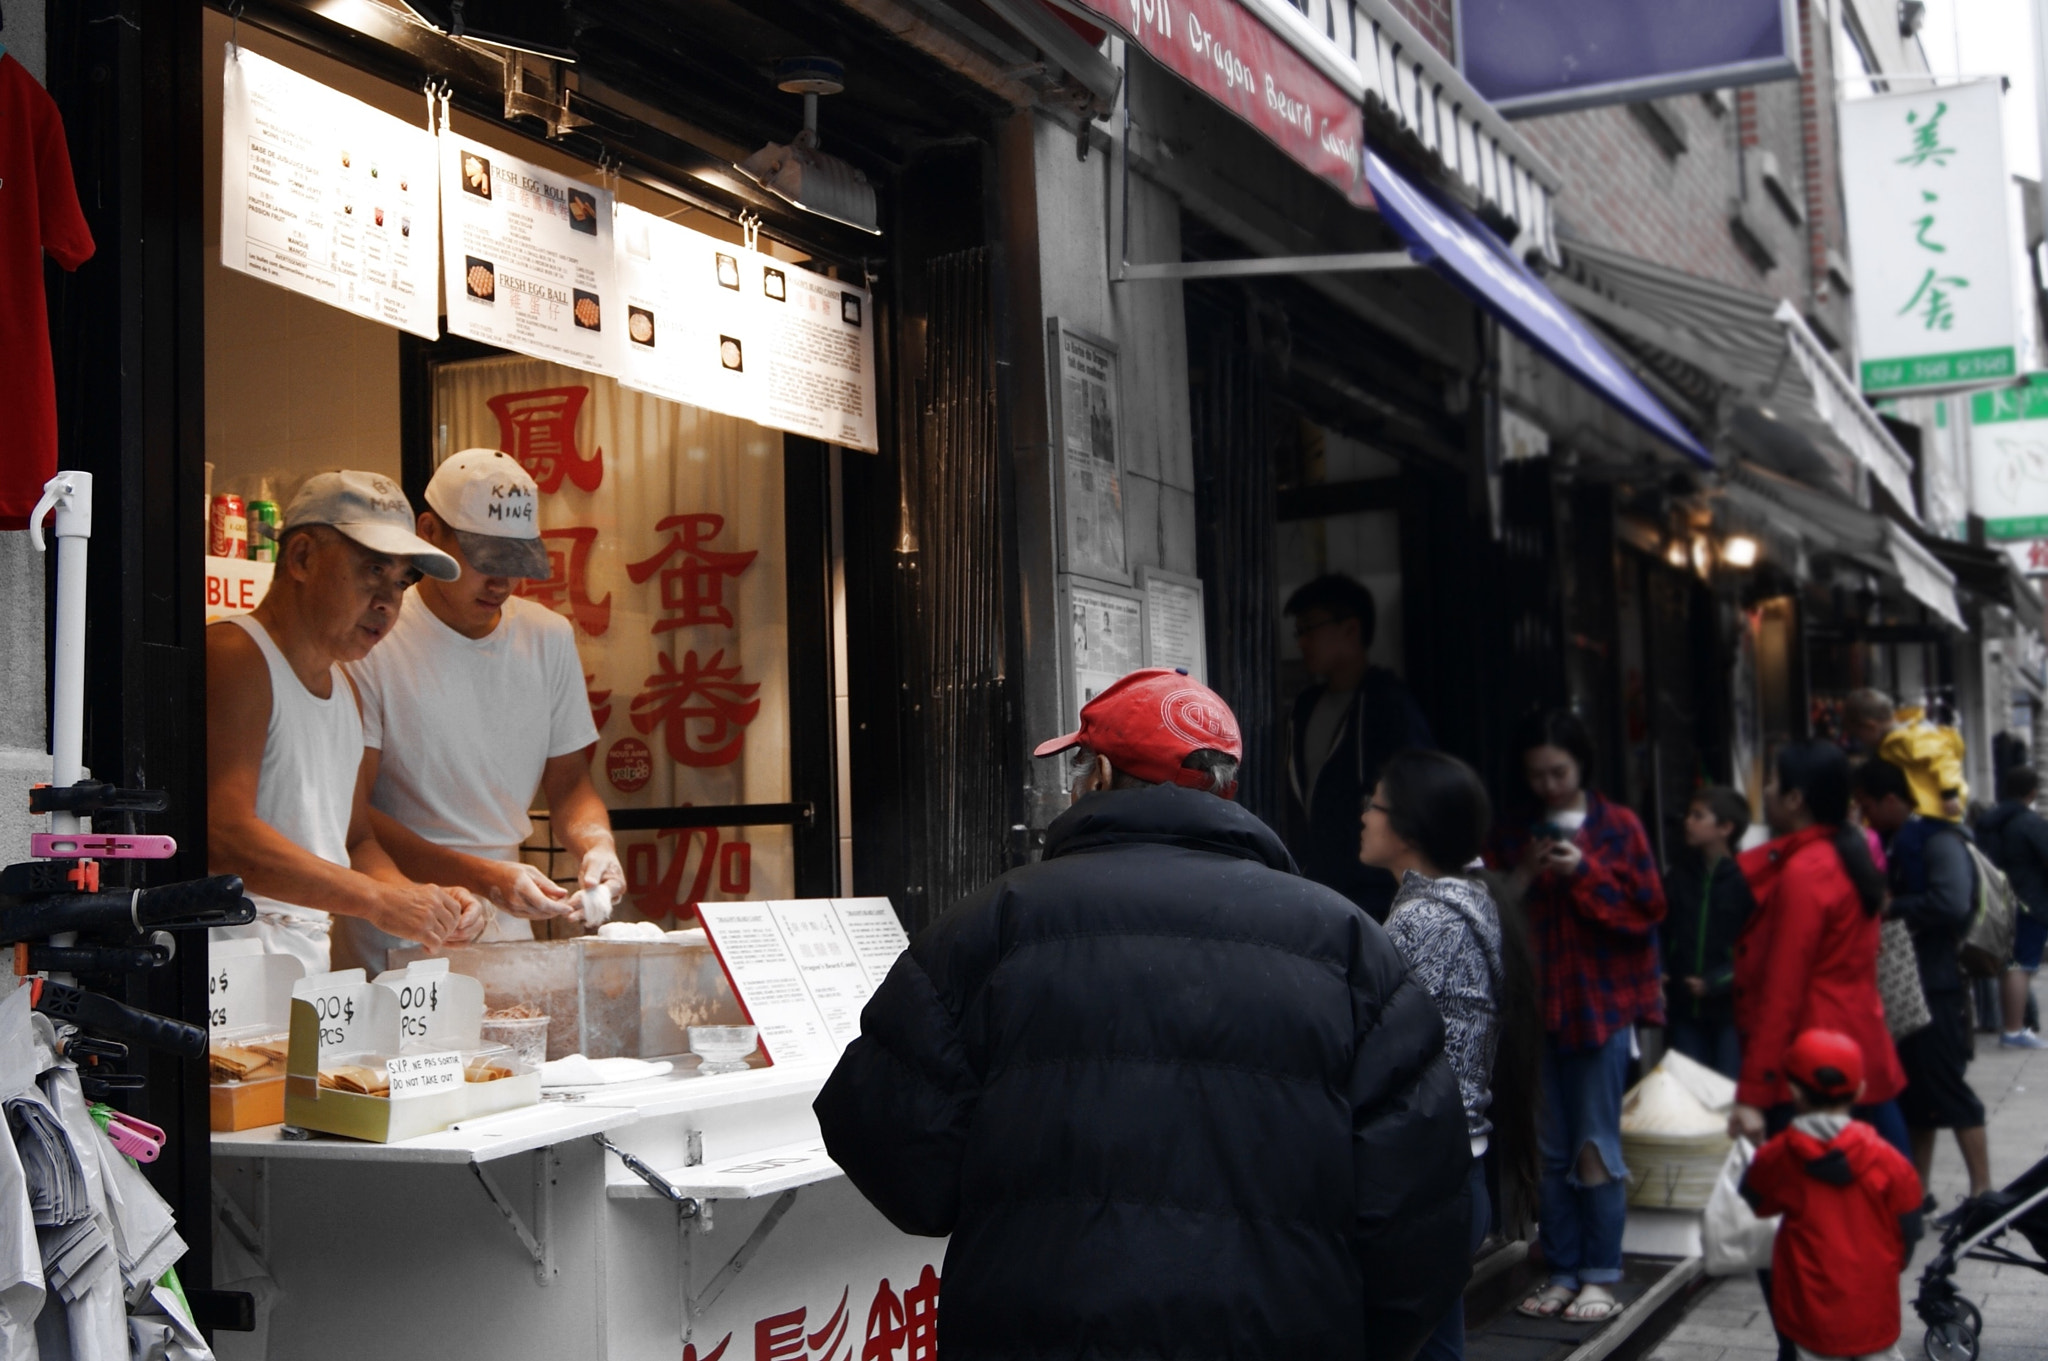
[800, 172]
[1739, 550]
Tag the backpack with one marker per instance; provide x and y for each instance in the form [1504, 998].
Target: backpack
[1986, 947]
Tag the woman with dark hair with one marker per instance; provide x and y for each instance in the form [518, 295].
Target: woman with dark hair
[1425, 824]
[1593, 900]
[1808, 957]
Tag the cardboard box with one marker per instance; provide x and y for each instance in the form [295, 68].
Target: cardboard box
[418, 1029]
[248, 1020]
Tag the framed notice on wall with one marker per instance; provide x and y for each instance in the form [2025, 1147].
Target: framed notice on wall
[1104, 639]
[1087, 434]
[1174, 630]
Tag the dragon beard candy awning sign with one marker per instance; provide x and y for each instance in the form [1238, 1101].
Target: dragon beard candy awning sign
[1924, 180]
[1223, 50]
[528, 254]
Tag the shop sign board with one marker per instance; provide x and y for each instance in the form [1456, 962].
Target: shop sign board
[1175, 632]
[235, 586]
[326, 196]
[1550, 56]
[712, 324]
[2009, 470]
[1924, 182]
[802, 970]
[1222, 50]
[1087, 423]
[528, 256]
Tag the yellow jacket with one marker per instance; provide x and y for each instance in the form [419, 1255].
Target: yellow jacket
[1932, 758]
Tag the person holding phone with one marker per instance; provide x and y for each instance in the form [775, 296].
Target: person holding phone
[1592, 898]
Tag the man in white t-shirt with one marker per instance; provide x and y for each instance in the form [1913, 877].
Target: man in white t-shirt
[474, 702]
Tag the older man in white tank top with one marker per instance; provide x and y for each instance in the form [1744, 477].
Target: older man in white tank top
[287, 797]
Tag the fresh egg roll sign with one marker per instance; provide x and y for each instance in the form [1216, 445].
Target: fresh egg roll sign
[528, 256]
[714, 325]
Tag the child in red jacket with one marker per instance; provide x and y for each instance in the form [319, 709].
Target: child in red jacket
[1851, 1204]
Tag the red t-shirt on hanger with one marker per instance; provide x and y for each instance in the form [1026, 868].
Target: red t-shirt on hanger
[38, 212]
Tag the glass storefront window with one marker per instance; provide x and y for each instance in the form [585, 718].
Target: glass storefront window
[664, 527]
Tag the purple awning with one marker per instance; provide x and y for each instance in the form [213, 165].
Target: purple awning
[1458, 246]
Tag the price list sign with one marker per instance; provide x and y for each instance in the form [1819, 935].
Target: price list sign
[803, 970]
[528, 254]
[326, 196]
[712, 324]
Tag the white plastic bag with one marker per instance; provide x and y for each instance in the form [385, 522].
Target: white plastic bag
[1733, 1240]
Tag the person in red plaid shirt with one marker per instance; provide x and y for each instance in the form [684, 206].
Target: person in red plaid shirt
[1592, 898]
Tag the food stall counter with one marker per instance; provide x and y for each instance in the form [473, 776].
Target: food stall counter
[467, 1141]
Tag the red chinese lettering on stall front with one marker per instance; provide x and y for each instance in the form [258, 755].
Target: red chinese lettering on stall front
[909, 1326]
[703, 709]
[600, 702]
[733, 862]
[567, 588]
[539, 429]
[690, 1350]
[695, 587]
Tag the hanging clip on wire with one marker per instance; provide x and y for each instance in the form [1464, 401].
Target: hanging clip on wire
[235, 29]
[750, 226]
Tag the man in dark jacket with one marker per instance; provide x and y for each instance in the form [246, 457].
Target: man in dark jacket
[2016, 839]
[1341, 730]
[1168, 1098]
[1934, 890]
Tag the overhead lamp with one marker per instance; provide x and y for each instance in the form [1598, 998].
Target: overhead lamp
[801, 173]
[1675, 554]
[1702, 554]
[1739, 550]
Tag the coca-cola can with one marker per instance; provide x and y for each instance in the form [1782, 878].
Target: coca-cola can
[227, 527]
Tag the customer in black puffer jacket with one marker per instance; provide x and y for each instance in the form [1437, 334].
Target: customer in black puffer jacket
[1169, 1098]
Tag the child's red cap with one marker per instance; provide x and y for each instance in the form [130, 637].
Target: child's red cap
[1827, 1063]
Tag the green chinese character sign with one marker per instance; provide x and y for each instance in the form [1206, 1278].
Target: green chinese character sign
[1925, 184]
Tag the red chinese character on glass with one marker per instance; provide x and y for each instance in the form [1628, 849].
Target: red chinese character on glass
[695, 586]
[690, 1350]
[539, 429]
[567, 588]
[600, 702]
[703, 709]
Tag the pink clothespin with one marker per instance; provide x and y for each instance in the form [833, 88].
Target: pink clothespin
[137, 1139]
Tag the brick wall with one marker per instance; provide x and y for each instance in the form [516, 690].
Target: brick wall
[1433, 17]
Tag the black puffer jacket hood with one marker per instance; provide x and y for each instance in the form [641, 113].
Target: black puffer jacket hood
[1169, 1099]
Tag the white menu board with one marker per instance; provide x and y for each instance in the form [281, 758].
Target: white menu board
[326, 196]
[529, 256]
[804, 969]
[715, 325]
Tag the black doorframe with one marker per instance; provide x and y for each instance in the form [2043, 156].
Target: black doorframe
[129, 341]
[812, 810]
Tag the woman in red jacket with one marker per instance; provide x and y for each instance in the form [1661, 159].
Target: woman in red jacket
[1808, 958]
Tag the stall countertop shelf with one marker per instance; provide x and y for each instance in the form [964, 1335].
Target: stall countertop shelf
[597, 1110]
[469, 1141]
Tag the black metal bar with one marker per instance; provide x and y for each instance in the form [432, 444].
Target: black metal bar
[1321, 499]
[799, 815]
[813, 754]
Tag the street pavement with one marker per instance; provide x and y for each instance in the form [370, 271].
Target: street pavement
[1730, 1323]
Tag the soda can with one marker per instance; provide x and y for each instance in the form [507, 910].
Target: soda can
[263, 546]
[227, 527]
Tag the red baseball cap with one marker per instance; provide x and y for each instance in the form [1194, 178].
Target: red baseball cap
[1827, 1063]
[1151, 721]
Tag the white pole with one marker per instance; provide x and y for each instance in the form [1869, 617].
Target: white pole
[70, 494]
[2041, 109]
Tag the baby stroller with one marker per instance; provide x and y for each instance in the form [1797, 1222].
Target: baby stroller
[1953, 1323]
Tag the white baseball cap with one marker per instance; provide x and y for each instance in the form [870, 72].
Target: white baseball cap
[494, 508]
[370, 509]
